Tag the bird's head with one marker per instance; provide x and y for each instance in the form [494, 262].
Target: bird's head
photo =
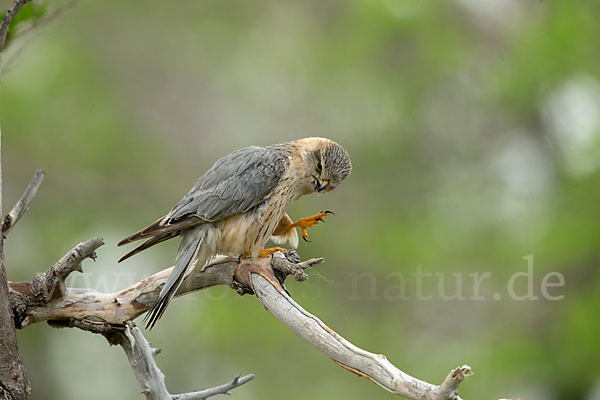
[326, 164]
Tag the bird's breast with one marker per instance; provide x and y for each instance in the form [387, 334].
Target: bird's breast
[250, 231]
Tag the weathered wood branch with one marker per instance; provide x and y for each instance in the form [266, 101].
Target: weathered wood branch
[124, 305]
[374, 367]
[13, 380]
[10, 219]
[50, 285]
[109, 314]
[237, 380]
[141, 358]
[150, 378]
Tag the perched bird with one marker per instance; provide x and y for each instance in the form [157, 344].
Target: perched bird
[240, 203]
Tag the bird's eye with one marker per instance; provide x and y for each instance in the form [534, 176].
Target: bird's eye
[319, 167]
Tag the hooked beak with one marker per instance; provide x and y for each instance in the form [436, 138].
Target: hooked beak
[320, 185]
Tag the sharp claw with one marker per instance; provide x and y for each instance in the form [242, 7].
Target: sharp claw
[328, 212]
[305, 239]
[320, 219]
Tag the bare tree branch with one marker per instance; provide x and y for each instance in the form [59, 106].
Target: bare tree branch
[108, 314]
[27, 34]
[374, 367]
[129, 303]
[51, 284]
[13, 381]
[221, 389]
[150, 377]
[141, 358]
[449, 388]
[22, 205]
[8, 18]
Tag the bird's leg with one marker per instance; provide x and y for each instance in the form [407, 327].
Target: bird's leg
[267, 253]
[307, 222]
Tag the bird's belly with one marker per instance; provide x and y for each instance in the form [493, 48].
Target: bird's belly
[233, 235]
[237, 229]
[250, 231]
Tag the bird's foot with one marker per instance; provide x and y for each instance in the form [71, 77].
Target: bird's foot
[267, 253]
[242, 274]
[274, 269]
[307, 222]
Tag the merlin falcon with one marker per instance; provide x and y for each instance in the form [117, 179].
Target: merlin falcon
[240, 203]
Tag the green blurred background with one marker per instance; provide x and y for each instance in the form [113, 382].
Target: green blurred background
[474, 130]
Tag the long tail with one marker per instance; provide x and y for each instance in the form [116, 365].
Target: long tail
[158, 232]
[194, 249]
[149, 243]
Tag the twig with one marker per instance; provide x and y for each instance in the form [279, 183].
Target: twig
[33, 28]
[150, 377]
[221, 389]
[43, 286]
[10, 219]
[8, 18]
[49, 285]
[448, 389]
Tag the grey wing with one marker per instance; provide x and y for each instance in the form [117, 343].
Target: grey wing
[235, 183]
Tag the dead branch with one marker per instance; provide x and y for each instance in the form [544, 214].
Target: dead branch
[374, 367]
[13, 380]
[22, 205]
[237, 380]
[141, 358]
[150, 377]
[8, 18]
[125, 305]
[109, 314]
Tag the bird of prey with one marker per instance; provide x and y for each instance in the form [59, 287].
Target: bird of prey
[240, 203]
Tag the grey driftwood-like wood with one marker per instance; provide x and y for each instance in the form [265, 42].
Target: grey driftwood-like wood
[374, 367]
[22, 204]
[110, 314]
[127, 304]
[237, 380]
[150, 378]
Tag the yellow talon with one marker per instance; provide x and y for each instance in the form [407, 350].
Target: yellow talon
[267, 253]
[308, 222]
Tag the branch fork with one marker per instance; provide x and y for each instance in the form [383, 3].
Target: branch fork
[110, 314]
[45, 298]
